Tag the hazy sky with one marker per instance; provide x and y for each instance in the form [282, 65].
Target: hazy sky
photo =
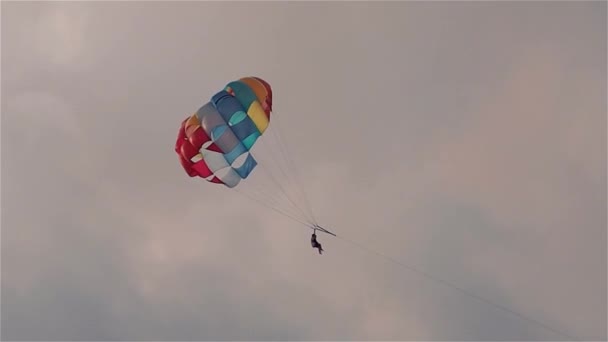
[467, 139]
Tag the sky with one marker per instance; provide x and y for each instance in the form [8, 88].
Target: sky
[464, 139]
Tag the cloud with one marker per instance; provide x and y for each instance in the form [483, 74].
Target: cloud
[60, 34]
[446, 137]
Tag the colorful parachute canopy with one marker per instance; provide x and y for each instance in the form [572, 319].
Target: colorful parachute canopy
[214, 142]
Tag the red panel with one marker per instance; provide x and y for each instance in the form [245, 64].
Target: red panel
[187, 165]
[181, 136]
[179, 148]
[202, 169]
[199, 137]
[213, 147]
[187, 150]
[216, 180]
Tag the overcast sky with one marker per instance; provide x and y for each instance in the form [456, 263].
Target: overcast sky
[465, 139]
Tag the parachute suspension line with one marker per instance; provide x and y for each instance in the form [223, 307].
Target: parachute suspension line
[259, 188]
[279, 200]
[281, 159]
[284, 151]
[302, 212]
[274, 178]
[290, 174]
[283, 167]
[295, 173]
[267, 145]
[262, 196]
[271, 192]
[275, 209]
[274, 153]
[458, 288]
[263, 186]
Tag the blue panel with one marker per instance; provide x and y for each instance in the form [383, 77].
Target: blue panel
[227, 105]
[244, 128]
[220, 95]
[248, 166]
[235, 153]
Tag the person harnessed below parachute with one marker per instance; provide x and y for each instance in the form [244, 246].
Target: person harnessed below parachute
[315, 243]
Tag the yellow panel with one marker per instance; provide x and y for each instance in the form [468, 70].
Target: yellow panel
[258, 116]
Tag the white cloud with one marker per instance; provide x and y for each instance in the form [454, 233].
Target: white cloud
[61, 33]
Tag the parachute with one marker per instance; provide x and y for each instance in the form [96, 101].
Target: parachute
[221, 141]
[224, 129]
